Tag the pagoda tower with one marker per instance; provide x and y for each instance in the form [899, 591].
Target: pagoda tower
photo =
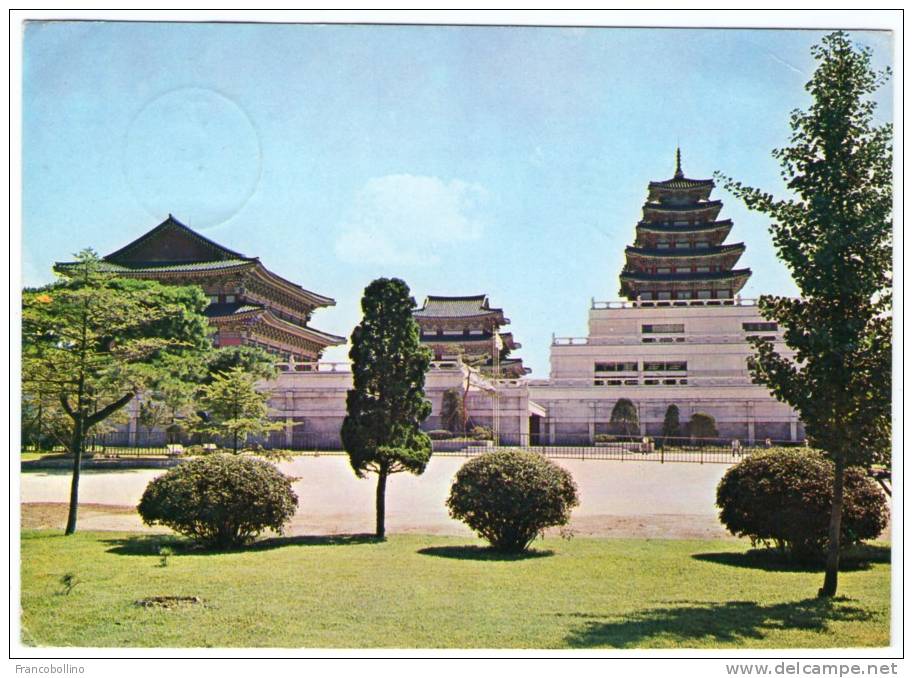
[678, 252]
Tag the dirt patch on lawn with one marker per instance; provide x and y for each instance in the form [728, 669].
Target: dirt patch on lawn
[52, 516]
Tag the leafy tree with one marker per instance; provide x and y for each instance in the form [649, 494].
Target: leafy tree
[624, 420]
[452, 414]
[387, 403]
[672, 428]
[234, 407]
[835, 235]
[702, 426]
[92, 341]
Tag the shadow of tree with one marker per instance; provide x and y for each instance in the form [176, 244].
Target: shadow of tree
[149, 545]
[729, 622]
[473, 552]
[856, 558]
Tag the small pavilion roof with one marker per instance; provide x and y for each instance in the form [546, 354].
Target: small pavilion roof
[458, 307]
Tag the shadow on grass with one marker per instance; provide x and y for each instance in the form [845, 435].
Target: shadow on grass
[729, 622]
[149, 545]
[856, 558]
[481, 553]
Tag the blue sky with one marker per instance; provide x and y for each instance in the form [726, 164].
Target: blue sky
[510, 161]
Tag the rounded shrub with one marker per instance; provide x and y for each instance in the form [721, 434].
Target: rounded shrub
[782, 498]
[509, 497]
[221, 500]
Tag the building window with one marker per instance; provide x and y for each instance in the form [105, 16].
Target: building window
[703, 294]
[630, 382]
[664, 269]
[683, 295]
[663, 295]
[616, 367]
[702, 269]
[666, 366]
[662, 244]
[669, 328]
[722, 294]
[760, 327]
[230, 298]
[651, 382]
[668, 382]
[646, 296]
[701, 244]
[213, 298]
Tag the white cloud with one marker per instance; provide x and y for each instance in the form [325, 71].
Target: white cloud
[408, 219]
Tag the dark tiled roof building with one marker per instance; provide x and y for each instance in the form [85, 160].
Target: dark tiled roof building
[469, 326]
[249, 305]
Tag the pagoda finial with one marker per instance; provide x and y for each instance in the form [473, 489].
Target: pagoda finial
[678, 163]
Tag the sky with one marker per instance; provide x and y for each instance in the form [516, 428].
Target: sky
[511, 161]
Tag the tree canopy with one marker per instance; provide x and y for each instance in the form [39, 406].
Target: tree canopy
[386, 405]
[91, 342]
[835, 235]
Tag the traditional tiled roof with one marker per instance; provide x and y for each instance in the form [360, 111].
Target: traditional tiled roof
[681, 183]
[455, 307]
[225, 310]
[213, 251]
[639, 276]
[687, 228]
[166, 267]
[685, 253]
[692, 207]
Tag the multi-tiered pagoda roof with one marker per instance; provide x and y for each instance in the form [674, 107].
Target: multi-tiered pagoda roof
[470, 327]
[249, 304]
[679, 250]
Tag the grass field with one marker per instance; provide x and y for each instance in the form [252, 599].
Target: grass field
[435, 592]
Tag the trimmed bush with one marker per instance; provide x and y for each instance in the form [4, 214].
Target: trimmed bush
[702, 426]
[508, 497]
[482, 433]
[782, 498]
[220, 500]
[440, 434]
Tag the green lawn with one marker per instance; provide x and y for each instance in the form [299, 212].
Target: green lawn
[431, 592]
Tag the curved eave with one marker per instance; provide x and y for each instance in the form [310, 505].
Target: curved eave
[639, 277]
[306, 296]
[265, 316]
[711, 208]
[721, 225]
[703, 253]
[495, 315]
[197, 269]
[309, 333]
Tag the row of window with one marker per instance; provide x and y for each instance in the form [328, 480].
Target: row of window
[681, 244]
[455, 333]
[686, 294]
[636, 382]
[759, 327]
[649, 366]
[222, 298]
[682, 269]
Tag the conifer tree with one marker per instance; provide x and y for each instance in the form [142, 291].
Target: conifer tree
[386, 405]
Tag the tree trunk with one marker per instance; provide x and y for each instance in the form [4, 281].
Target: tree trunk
[381, 504]
[77, 446]
[832, 564]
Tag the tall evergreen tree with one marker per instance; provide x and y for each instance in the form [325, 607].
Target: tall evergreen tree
[387, 404]
[672, 428]
[835, 235]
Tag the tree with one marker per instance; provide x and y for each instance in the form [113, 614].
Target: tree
[702, 426]
[387, 404]
[452, 412]
[624, 419]
[234, 407]
[250, 359]
[835, 236]
[672, 428]
[92, 341]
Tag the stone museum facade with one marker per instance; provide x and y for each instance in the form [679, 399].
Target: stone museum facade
[681, 336]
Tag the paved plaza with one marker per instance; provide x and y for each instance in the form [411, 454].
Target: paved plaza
[622, 499]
